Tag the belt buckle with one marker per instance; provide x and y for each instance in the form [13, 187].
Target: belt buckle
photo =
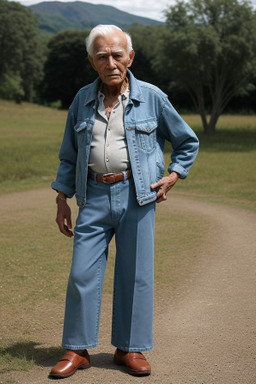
[105, 176]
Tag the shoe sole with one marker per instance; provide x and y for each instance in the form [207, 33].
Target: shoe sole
[138, 373]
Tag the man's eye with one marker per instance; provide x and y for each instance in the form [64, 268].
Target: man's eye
[117, 57]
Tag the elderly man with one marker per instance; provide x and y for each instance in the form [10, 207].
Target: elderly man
[112, 159]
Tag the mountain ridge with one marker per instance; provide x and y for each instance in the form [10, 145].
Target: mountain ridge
[57, 16]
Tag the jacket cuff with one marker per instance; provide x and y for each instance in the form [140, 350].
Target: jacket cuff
[62, 188]
[174, 167]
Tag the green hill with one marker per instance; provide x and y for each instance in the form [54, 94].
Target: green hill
[57, 16]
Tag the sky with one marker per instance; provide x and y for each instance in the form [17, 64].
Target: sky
[152, 9]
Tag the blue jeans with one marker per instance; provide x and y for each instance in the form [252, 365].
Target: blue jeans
[112, 209]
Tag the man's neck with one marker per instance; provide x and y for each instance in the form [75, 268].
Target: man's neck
[115, 91]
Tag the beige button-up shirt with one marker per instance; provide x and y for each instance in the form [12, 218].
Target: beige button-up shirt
[109, 151]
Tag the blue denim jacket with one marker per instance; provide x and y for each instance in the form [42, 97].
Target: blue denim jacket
[149, 120]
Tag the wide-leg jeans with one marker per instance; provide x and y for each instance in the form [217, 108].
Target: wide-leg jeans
[112, 209]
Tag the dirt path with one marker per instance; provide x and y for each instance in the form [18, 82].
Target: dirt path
[206, 332]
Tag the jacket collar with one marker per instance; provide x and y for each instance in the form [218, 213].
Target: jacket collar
[93, 93]
[135, 90]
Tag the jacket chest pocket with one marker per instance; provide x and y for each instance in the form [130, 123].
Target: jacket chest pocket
[146, 135]
[83, 130]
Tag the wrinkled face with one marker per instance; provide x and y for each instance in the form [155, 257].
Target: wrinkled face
[111, 58]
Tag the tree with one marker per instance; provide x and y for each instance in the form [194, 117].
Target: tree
[209, 47]
[20, 48]
[145, 42]
[67, 68]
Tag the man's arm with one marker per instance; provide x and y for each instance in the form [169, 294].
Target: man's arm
[63, 218]
[184, 141]
[185, 148]
[65, 180]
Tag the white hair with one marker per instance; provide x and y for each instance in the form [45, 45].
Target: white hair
[103, 30]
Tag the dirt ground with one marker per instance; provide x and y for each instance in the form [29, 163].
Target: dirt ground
[205, 331]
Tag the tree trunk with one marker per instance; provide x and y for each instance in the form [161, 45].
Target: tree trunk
[208, 126]
[201, 107]
[210, 129]
[213, 122]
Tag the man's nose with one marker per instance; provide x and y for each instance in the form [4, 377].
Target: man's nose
[111, 62]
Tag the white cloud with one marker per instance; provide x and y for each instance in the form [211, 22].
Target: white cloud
[151, 8]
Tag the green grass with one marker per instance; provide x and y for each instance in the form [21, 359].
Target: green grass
[35, 258]
[30, 138]
[15, 360]
[23, 355]
[224, 170]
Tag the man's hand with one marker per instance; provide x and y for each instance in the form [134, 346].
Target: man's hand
[63, 218]
[164, 185]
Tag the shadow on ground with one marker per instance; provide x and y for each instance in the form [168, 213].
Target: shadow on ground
[28, 354]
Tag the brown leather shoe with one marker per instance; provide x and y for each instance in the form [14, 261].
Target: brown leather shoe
[69, 364]
[135, 362]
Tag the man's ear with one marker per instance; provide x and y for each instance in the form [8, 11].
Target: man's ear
[90, 58]
[131, 57]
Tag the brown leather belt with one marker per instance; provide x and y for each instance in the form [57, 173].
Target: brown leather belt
[109, 178]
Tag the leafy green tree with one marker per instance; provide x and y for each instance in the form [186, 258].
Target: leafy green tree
[209, 48]
[20, 52]
[67, 67]
[11, 86]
